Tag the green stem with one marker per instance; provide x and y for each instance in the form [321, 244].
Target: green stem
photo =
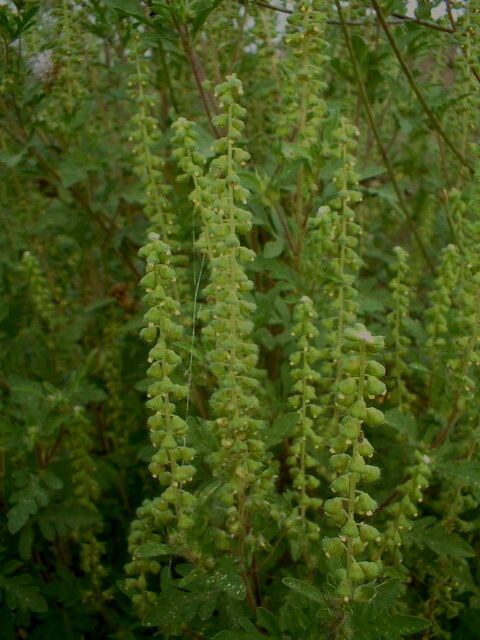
[378, 139]
[431, 116]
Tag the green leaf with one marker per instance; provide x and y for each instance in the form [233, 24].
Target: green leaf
[282, 427]
[403, 625]
[226, 577]
[273, 249]
[236, 635]
[387, 594]
[305, 589]
[72, 171]
[268, 621]
[204, 9]
[23, 596]
[466, 471]
[11, 159]
[404, 423]
[441, 541]
[19, 514]
[130, 7]
[175, 607]
[25, 543]
[417, 366]
[153, 549]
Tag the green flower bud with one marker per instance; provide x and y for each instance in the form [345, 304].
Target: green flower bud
[169, 442]
[347, 386]
[370, 570]
[344, 590]
[185, 522]
[334, 506]
[351, 366]
[374, 417]
[338, 444]
[333, 547]
[371, 473]
[365, 449]
[357, 464]
[340, 461]
[350, 529]
[364, 504]
[350, 428]
[369, 533]
[375, 387]
[184, 473]
[359, 409]
[341, 484]
[355, 573]
[148, 334]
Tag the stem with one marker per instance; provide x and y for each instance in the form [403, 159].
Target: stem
[371, 119]
[431, 116]
[197, 69]
[353, 476]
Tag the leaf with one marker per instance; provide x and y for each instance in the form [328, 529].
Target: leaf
[204, 9]
[305, 589]
[152, 549]
[282, 427]
[72, 171]
[386, 594]
[173, 608]
[404, 423]
[18, 517]
[25, 543]
[273, 249]
[403, 625]
[268, 621]
[11, 159]
[417, 366]
[468, 472]
[249, 627]
[236, 635]
[441, 541]
[130, 7]
[372, 171]
[20, 594]
[226, 577]
[52, 481]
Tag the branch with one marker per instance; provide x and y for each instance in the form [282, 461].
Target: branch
[197, 69]
[401, 19]
[371, 119]
[423, 23]
[431, 116]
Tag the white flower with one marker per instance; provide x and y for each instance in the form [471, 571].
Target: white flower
[365, 336]
[42, 65]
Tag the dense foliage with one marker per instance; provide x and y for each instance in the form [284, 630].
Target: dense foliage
[240, 319]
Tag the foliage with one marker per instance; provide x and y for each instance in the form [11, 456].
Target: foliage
[240, 320]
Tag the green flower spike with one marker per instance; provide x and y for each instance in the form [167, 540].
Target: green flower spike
[351, 452]
[304, 467]
[233, 358]
[399, 341]
[173, 511]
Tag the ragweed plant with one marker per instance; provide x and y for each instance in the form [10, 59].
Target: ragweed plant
[250, 507]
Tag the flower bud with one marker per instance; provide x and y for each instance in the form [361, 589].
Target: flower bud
[355, 573]
[333, 547]
[334, 506]
[359, 409]
[374, 417]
